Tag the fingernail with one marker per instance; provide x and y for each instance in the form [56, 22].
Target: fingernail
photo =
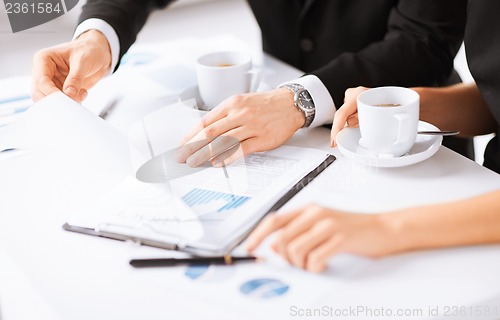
[70, 91]
[179, 157]
[84, 96]
[192, 161]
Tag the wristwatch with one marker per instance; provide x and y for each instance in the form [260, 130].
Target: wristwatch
[302, 100]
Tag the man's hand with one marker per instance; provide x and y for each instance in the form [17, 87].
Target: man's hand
[72, 67]
[309, 236]
[259, 121]
[347, 113]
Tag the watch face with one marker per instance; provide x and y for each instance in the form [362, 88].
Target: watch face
[305, 100]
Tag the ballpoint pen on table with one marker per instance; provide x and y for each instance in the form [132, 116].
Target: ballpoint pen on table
[172, 262]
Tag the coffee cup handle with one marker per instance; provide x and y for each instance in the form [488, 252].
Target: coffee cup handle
[254, 77]
[403, 120]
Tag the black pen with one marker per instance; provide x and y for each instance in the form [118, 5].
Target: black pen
[172, 262]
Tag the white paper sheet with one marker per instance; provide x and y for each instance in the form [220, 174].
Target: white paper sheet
[59, 125]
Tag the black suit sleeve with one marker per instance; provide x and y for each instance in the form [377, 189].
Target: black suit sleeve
[422, 40]
[127, 17]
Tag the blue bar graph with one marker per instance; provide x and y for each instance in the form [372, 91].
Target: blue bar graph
[199, 196]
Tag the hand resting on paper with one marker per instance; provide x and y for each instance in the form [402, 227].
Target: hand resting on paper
[309, 236]
[72, 67]
[260, 121]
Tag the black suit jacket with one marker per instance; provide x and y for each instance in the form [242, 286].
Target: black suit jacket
[345, 43]
[482, 44]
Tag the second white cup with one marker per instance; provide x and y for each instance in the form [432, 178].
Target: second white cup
[388, 120]
[223, 74]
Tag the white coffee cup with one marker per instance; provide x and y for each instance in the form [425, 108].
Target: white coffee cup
[223, 74]
[388, 120]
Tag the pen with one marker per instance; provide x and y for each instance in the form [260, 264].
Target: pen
[171, 262]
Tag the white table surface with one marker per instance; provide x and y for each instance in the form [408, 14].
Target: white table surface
[62, 275]
[47, 273]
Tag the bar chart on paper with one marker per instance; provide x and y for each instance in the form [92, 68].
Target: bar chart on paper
[204, 201]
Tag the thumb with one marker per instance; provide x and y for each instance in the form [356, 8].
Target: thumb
[349, 108]
[339, 121]
[74, 82]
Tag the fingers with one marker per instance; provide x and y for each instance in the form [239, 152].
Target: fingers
[50, 74]
[295, 228]
[229, 156]
[43, 87]
[268, 226]
[208, 119]
[299, 248]
[222, 150]
[348, 109]
[71, 67]
[188, 149]
[310, 236]
[317, 259]
[73, 85]
[245, 148]
[340, 119]
[43, 76]
[207, 134]
[83, 94]
[353, 121]
[222, 147]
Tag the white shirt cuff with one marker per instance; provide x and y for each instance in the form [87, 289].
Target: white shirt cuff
[107, 31]
[325, 107]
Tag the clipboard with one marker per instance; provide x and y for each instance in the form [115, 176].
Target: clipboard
[199, 250]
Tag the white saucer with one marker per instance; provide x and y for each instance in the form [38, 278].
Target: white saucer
[425, 147]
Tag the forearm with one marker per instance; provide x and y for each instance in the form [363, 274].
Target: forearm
[459, 107]
[467, 222]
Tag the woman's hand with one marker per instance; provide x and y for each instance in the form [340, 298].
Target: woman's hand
[309, 236]
[347, 113]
